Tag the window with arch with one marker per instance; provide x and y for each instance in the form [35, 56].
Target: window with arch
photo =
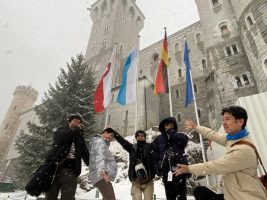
[198, 37]
[155, 60]
[179, 119]
[6, 127]
[195, 88]
[245, 79]
[104, 44]
[126, 114]
[265, 65]
[204, 64]
[104, 7]
[177, 47]
[179, 72]
[177, 94]
[238, 81]
[215, 2]
[199, 113]
[131, 12]
[224, 28]
[249, 20]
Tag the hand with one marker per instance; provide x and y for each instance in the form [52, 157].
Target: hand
[105, 176]
[189, 125]
[181, 169]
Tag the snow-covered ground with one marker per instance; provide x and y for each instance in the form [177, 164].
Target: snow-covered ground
[122, 185]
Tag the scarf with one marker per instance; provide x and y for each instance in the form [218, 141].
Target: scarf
[243, 133]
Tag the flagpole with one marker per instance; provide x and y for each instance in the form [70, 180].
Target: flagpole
[196, 113]
[137, 71]
[107, 113]
[169, 85]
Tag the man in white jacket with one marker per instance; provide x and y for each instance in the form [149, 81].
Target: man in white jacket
[238, 165]
[102, 164]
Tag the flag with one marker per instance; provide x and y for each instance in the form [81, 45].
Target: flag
[127, 93]
[161, 81]
[102, 95]
[188, 84]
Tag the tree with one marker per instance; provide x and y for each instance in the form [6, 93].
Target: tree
[72, 94]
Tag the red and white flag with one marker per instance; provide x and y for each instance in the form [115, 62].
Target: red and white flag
[102, 96]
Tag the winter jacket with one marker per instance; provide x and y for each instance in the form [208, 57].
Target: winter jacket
[238, 166]
[167, 139]
[63, 138]
[101, 159]
[144, 152]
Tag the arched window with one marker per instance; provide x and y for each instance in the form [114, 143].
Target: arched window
[177, 47]
[224, 28]
[245, 79]
[198, 37]
[179, 72]
[104, 7]
[177, 94]
[250, 22]
[195, 88]
[204, 64]
[198, 113]
[155, 60]
[238, 81]
[215, 2]
[179, 117]
[6, 126]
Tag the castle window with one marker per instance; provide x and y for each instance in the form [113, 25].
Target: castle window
[224, 28]
[234, 48]
[195, 88]
[250, 22]
[104, 44]
[109, 118]
[245, 79]
[140, 72]
[238, 81]
[104, 7]
[177, 47]
[198, 37]
[177, 94]
[106, 29]
[228, 51]
[204, 64]
[126, 114]
[265, 65]
[215, 2]
[179, 118]
[198, 113]
[180, 72]
[132, 12]
[6, 127]
[155, 60]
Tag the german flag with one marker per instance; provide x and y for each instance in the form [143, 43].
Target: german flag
[161, 81]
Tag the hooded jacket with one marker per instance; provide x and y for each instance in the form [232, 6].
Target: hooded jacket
[101, 159]
[134, 151]
[167, 139]
[238, 166]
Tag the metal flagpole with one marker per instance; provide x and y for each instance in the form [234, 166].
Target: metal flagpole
[107, 113]
[168, 74]
[137, 71]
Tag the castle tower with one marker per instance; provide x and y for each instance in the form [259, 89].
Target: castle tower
[251, 17]
[23, 99]
[115, 23]
[229, 74]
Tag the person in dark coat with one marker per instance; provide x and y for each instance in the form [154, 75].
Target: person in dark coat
[141, 151]
[169, 150]
[68, 149]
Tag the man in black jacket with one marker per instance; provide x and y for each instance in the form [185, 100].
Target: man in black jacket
[68, 149]
[141, 152]
[168, 152]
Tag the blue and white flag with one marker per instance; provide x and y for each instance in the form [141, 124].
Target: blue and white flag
[127, 93]
[188, 84]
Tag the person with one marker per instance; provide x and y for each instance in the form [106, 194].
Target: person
[238, 165]
[102, 167]
[169, 150]
[139, 152]
[68, 149]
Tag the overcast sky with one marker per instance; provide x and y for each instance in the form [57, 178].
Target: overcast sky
[38, 37]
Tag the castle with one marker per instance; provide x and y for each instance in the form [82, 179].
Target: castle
[228, 56]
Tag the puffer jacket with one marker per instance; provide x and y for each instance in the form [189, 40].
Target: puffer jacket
[238, 166]
[101, 159]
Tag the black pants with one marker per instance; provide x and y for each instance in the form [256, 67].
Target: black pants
[204, 193]
[175, 189]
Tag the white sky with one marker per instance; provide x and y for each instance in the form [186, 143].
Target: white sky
[38, 37]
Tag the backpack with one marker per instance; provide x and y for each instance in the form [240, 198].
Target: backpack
[140, 170]
[263, 178]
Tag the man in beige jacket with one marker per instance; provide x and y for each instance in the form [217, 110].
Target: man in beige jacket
[239, 163]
